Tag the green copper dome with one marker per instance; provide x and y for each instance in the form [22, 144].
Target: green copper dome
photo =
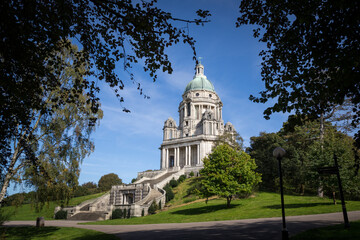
[200, 82]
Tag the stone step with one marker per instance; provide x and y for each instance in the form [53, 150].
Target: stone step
[91, 216]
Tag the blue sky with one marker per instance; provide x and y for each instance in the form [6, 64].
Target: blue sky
[127, 143]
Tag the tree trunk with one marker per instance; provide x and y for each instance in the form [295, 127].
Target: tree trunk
[4, 187]
[322, 133]
[228, 201]
[334, 198]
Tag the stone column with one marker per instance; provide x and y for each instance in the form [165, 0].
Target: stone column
[186, 155]
[189, 155]
[198, 154]
[162, 158]
[178, 156]
[167, 159]
[175, 157]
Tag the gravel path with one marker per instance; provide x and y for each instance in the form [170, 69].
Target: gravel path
[262, 228]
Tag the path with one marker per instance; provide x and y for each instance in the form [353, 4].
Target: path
[263, 228]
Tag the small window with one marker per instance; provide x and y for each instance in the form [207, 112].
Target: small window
[187, 135]
[197, 94]
[210, 95]
[188, 109]
[186, 123]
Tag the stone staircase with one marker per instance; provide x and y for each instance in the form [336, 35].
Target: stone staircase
[87, 215]
[145, 191]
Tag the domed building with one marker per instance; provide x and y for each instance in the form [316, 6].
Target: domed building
[200, 122]
[182, 151]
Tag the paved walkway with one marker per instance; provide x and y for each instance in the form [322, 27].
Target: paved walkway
[263, 228]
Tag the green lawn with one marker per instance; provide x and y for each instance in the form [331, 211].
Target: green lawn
[27, 211]
[337, 232]
[58, 233]
[263, 205]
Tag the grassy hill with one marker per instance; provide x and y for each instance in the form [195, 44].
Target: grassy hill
[27, 211]
[186, 207]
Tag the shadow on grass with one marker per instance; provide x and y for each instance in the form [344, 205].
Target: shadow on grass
[298, 205]
[204, 210]
[28, 232]
[52, 233]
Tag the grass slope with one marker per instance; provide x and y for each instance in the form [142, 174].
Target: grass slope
[337, 232]
[34, 233]
[263, 205]
[28, 212]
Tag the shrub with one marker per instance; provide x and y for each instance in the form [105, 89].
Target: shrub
[124, 212]
[153, 207]
[191, 174]
[61, 214]
[181, 178]
[173, 183]
[117, 213]
[143, 212]
[160, 204]
[169, 193]
[128, 213]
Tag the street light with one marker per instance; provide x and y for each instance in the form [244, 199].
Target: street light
[279, 154]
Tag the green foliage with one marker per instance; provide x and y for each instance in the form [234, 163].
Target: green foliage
[133, 180]
[85, 189]
[261, 149]
[61, 214]
[48, 153]
[160, 205]
[153, 208]
[169, 193]
[109, 180]
[173, 183]
[228, 172]
[117, 213]
[128, 213]
[319, 72]
[143, 212]
[181, 179]
[306, 152]
[231, 138]
[191, 174]
[124, 212]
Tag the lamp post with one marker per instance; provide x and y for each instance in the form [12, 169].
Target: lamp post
[279, 154]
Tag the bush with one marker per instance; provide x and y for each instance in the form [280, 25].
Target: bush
[160, 204]
[128, 213]
[181, 179]
[61, 214]
[153, 207]
[169, 193]
[143, 212]
[117, 213]
[191, 174]
[124, 213]
[173, 183]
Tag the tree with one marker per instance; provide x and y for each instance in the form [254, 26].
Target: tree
[231, 138]
[228, 172]
[305, 154]
[107, 181]
[261, 149]
[112, 34]
[46, 154]
[311, 63]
